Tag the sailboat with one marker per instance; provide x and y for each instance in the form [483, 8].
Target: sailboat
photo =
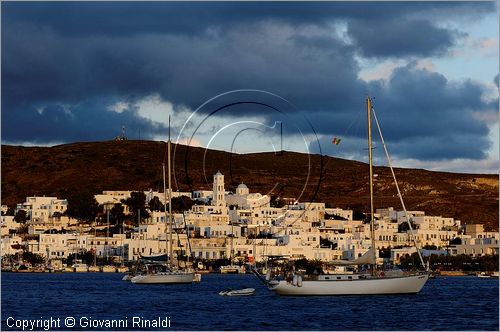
[157, 272]
[232, 268]
[386, 282]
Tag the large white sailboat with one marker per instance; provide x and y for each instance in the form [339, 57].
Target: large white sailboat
[365, 283]
[156, 273]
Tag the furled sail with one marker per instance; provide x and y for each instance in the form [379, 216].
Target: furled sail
[367, 258]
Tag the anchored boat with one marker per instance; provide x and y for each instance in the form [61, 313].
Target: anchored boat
[165, 273]
[238, 292]
[361, 283]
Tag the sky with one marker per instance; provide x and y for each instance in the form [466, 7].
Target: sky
[258, 76]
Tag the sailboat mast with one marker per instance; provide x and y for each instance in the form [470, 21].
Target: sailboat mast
[165, 207]
[370, 158]
[169, 195]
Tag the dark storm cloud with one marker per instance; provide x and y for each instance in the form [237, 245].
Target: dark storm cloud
[56, 122]
[422, 116]
[397, 38]
[126, 18]
[74, 60]
[184, 69]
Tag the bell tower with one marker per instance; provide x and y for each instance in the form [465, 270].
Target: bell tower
[219, 191]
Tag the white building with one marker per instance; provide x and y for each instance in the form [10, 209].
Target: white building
[8, 224]
[41, 208]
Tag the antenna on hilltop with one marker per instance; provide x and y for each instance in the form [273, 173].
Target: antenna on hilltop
[121, 137]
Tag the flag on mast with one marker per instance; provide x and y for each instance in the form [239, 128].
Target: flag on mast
[336, 140]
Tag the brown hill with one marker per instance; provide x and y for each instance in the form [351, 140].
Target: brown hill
[136, 165]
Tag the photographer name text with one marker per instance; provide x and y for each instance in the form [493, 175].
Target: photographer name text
[51, 323]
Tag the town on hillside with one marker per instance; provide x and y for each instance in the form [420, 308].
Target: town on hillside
[212, 227]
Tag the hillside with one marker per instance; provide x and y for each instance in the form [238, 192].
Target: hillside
[136, 165]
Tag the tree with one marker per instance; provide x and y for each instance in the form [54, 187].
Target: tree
[116, 214]
[87, 257]
[181, 204]
[155, 204]
[334, 217]
[405, 227]
[199, 202]
[82, 206]
[276, 202]
[324, 242]
[311, 266]
[358, 215]
[9, 212]
[21, 217]
[384, 252]
[136, 204]
[32, 258]
[188, 180]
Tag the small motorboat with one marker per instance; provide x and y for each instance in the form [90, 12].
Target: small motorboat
[224, 292]
[483, 275]
[238, 292]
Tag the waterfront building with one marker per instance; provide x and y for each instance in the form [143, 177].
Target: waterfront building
[475, 247]
[59, 245]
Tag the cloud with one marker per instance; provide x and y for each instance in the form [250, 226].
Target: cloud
[79, 71]
[483, 166]
[193, 18]
[396, 38]
[69, 123]
[422, 115]
[191, 142]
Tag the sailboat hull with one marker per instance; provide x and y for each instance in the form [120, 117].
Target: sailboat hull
[164, 278]
[396, 285]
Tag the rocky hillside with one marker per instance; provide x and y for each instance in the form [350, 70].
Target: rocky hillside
[136, 165]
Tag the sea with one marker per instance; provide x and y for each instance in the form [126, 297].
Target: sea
[93, 301]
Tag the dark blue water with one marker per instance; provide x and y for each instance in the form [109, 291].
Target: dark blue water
[447, 303]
